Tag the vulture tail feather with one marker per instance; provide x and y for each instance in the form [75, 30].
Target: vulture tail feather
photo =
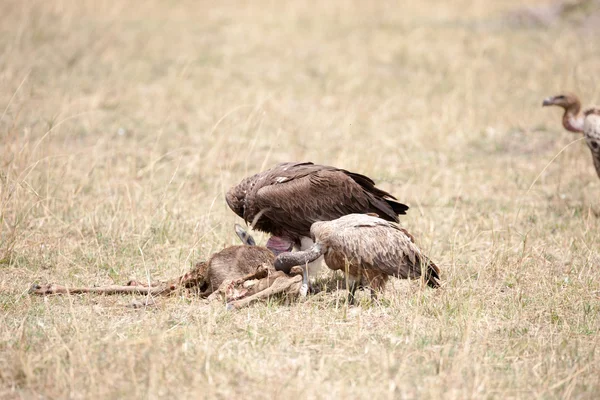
[398, 207]
[369, 185]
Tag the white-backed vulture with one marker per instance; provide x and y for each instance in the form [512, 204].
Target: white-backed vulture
[368, 249]
[287, 199]
[586, 122]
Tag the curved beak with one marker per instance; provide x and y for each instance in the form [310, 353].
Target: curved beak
[548, 101]
[244, 236]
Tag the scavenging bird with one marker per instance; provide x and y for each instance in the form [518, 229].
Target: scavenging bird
[573, 120]
[287, 199]
[367, 249]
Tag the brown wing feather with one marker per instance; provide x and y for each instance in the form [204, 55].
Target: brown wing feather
[402, 259]
[323, 196]
[386, 199]
[291, 196]
[377, 245]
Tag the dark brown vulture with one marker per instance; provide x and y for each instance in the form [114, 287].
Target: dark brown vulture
[367, 249]
[573, 120]
[287, 199]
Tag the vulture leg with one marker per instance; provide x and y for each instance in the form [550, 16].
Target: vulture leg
[352, 293]
[373, 293]
[305, 283]
[353, 286]
[354, 283]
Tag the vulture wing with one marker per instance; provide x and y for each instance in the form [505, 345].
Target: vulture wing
[312, 193]
[385, 247]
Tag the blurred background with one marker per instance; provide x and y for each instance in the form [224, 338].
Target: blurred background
[123, 123]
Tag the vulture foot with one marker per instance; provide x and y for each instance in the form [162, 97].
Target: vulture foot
[304, 290]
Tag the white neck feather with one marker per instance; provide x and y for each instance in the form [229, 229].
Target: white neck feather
[575, 122]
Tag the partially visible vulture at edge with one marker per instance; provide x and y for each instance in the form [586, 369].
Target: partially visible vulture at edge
[287, 199]
[573, 120]
[367, 249]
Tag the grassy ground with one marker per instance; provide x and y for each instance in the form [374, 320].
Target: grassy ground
[124, 123]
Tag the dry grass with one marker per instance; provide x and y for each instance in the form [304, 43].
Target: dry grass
[126, 122]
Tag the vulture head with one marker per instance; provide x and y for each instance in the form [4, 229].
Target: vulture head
[572, 121]
[236, 198]
[568, 101]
